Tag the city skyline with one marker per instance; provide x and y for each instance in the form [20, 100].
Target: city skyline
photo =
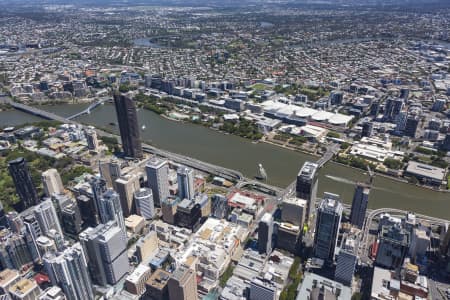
[225, 150]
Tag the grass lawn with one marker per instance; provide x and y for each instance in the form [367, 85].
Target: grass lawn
[259, 87]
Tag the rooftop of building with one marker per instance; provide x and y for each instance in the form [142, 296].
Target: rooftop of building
[331, 203]
[285, 226]
[7, 276]
[234, 289]
[23, 287]
[137, 274]
[267, 218]
[184, 170]
[182, 273]
[143, 192]
[133, 221]
[426, 170]
[296, 201]
[308, 170]
[215, 230]
[156, 163]
[383, 283]
[315, 287]
[268, 284]
[54, 293]
[395, 233]
[242, 200]
[186, 204]
[158, 279]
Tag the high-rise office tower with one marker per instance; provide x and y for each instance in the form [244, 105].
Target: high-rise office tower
[327, 227]
[375, 108]
[98, 186]
[88, 211]
[183, 285]
[404, 93]
[265, 230]
[111, 171]
[52, 182]
[128, 125]
[105, 247]
[110, 209]
[393, 107]
[3, 219]
[367, 129]
[71, 219]
[47, 218]
[60, 201]
[68, 269]
[169, 208]
[188, 215]
[219, 206]
[23, 182]
[336, 97]
[58, 238]
[92, 140]
[288, 237]
[293, 211]
[32, 232]
[45, 245]
[185, 179]
[400, 121]
[125, 187]
[15, 222]
[439, 105]
[306, 187]
[446, 143]
[14, 252]
[359, 205]
[158, 179]
[346, 262]
[412, 123]
[144, 203]
[393, 246]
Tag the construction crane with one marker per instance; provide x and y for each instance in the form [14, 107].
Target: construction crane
[371, 175]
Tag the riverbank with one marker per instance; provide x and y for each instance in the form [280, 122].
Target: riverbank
[282, 165]
[300, 150]
[56, 107]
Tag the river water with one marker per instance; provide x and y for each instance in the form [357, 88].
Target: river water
[237, 153]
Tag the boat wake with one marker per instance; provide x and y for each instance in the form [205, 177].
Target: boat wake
[340, 179]
[351, 182]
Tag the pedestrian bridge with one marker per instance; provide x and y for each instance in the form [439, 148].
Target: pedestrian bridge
[88, 110]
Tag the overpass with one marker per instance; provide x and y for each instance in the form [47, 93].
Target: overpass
[88, 109]
[195, 163]
[258, 185]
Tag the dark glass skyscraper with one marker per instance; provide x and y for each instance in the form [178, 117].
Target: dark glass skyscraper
[24, 184]
[359, 205]
[306, 187]
[329, 216]
[128, 125]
